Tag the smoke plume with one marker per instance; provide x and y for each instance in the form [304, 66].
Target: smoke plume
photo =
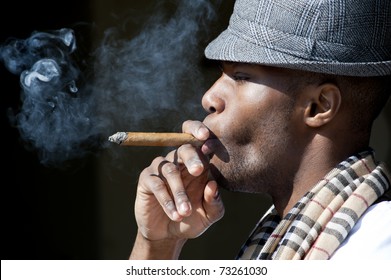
[66, 113]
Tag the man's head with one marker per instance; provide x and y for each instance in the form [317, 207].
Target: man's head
[295, 71]
[346, 42]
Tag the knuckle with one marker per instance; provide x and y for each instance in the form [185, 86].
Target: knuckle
[190, 126]
[186, 124]
[157, 187]
[147, 170]
[168, 204]
[181, 195]
[158, 160]
[184, 148]
[170, 169]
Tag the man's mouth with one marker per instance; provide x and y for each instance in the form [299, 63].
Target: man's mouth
[214, 147]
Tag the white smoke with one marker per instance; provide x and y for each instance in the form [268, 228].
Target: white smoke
[136, 81]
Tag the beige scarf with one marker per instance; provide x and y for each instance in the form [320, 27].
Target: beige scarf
[317, 225]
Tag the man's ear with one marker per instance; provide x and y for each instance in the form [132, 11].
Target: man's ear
[322, 105]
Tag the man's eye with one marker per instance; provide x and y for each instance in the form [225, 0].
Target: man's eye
[240, 78]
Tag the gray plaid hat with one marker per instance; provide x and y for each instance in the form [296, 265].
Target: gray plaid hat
[343, 37]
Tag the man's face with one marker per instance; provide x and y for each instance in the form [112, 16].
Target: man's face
[253, 118]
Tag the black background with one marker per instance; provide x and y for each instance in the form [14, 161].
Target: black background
[86, 210]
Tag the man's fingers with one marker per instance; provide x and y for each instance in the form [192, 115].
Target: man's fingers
[213, 204]
[166, 184]
[193, 160]
[196, 128]
[171, 174]
[158, 189]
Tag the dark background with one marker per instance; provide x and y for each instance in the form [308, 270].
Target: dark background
[85, 211]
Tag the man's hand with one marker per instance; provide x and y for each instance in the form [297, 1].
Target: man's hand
[176, 200]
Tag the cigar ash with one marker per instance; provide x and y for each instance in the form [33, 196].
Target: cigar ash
[118, 137]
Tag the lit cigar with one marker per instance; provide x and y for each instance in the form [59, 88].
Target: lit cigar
[154, 139]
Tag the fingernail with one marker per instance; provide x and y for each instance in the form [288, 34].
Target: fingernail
[196, 167]
[217, 195]
[185, 207]
[202, 132]
[176, 216]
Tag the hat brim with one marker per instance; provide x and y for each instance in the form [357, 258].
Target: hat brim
[229, 47]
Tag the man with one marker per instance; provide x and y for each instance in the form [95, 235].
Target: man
[291, 115]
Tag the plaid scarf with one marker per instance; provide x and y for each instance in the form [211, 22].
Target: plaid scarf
[317, 224]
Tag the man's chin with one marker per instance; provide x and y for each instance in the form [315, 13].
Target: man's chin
[221, 180]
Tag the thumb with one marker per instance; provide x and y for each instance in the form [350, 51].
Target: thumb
[213, 204]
